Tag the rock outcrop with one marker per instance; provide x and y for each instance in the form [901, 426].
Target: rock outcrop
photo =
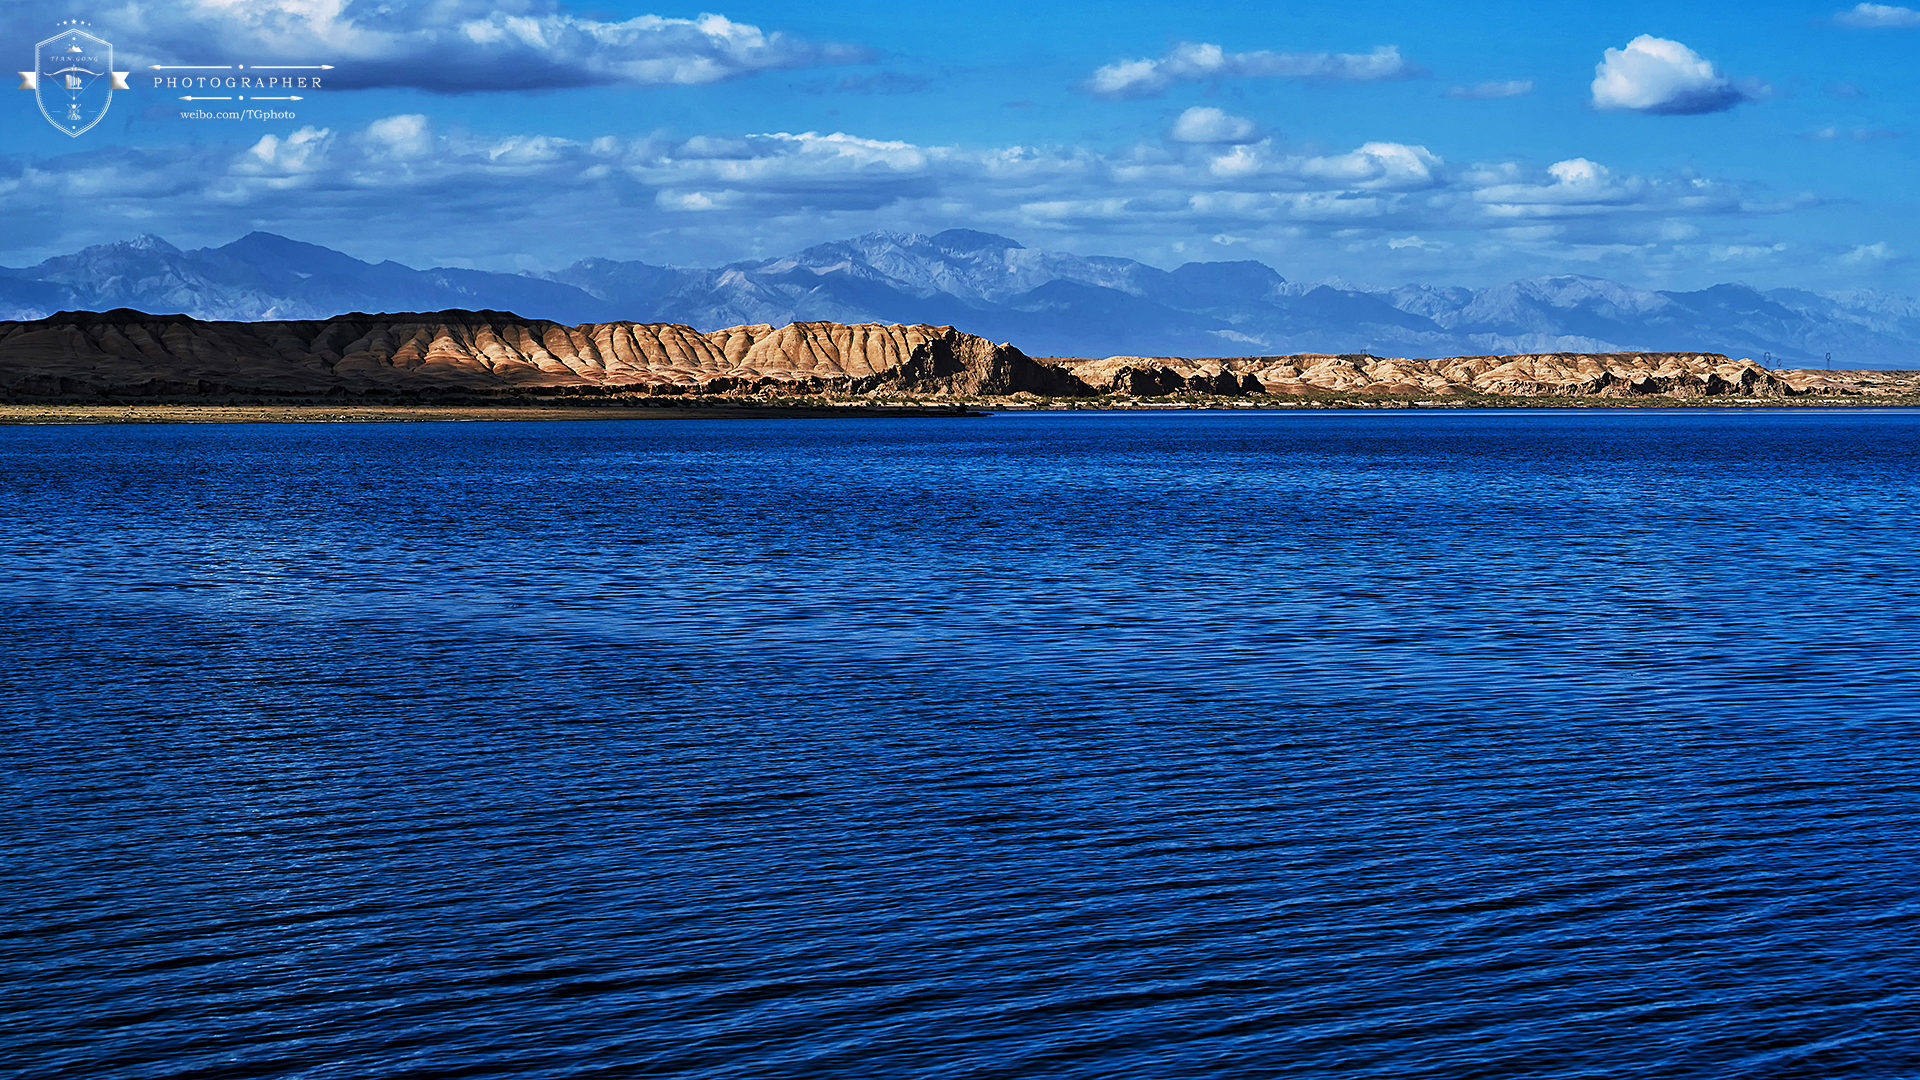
[1607, 375]
[128, 355]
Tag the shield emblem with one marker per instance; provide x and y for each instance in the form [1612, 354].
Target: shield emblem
[74, 80]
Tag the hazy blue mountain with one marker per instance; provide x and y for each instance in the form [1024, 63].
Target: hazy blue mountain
[263, 276]
[1049, 303]
[1053, 303]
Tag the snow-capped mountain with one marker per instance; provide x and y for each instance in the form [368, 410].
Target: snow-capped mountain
[1048, 303]
[263, 276]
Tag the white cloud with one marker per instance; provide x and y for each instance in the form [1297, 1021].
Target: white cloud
[1878, 17]
[1872, 255]
[1578, 189]
[1489, 91]
[457, 46]
[1204, 124]
[402, 136]
[1190, 62]
[1378, 166]
[297, 153]
[1654, 75]
[1743, 252]
[1577, 186]
[1375, 166]
[400, 185]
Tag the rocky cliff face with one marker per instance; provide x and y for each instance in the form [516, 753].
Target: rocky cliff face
[130, 355]
[1538, 375]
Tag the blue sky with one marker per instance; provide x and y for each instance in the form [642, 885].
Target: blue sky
[1386, 142]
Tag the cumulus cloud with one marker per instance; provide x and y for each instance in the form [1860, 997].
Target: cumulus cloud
[1879, 254]
[283, 157]
[1204, 124]
[1654, 75]
[1573, 187]
[398, 186]
[458, 46]
[1377, 166]
[1577, 189]
[1190, 62]
[403, 136]
[1878, 17]
[1489, 91]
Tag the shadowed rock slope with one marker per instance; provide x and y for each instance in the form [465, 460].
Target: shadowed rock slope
[128, 355]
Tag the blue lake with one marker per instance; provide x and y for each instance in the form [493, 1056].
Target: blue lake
[1311, 744]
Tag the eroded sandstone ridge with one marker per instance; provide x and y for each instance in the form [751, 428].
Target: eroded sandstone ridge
[1613, 375]
[128, 355]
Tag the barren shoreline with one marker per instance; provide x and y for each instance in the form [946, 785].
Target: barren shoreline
[746, 410]
[347, 414]
[130, 367]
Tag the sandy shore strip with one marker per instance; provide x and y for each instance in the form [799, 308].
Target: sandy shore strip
[347, 414]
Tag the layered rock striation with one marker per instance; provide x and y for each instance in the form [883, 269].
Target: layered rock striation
[462, 353]
[1537, 375]
[128, 355]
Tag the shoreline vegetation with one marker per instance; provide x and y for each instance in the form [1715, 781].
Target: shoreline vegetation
[127, 366]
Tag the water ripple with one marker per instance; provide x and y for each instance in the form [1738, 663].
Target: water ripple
[1320, 745]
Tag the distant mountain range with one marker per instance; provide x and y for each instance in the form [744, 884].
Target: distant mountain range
[1047, 303]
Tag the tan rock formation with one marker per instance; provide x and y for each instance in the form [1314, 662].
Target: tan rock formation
[1607, 375]
[130, 354]
[84, 356]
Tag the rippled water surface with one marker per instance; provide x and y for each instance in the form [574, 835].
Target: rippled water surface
[1333, 744]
